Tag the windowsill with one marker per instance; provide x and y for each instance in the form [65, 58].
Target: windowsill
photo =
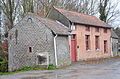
[105, 52]
[87, 30]
[97, 49]
[88, 50]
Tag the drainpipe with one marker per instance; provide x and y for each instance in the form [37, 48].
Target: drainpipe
[55, 50]
[70, 33]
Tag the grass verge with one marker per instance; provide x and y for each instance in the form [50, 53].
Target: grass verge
[28, 68]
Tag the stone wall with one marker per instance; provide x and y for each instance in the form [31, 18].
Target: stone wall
[31, 34]
[63, 53]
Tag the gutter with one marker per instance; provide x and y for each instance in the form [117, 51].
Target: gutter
[55, 50]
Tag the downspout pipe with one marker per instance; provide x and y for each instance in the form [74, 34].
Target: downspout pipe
[55, 50]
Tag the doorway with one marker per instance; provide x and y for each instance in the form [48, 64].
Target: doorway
[73, 48]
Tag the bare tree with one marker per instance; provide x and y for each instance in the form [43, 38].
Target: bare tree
[28, 6]
[87, 7]
[108, 11]
[9, 8]
[45, 6]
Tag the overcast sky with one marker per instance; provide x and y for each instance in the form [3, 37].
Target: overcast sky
[117, 23]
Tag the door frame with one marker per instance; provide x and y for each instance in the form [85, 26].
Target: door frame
[74, 48]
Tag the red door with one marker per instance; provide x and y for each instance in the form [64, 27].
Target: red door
[73, 48]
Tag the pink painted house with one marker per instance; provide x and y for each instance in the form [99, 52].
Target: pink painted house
[90, 37]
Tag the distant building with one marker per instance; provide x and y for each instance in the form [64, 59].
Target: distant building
[114, 39]
[117, 31]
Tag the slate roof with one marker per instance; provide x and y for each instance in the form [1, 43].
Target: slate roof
[56, 27]
[114, 35]
[82, 18]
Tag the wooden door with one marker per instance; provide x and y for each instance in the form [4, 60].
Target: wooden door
[73, 48]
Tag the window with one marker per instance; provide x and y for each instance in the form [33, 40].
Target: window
[30, 49]
[96, 29]
[41, 59]
[97, 42]
[105, 46]
[87, 41]
[73, 36]
[105, 30]
[87, 28]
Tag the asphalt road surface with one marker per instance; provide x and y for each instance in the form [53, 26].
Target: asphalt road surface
[104, 69]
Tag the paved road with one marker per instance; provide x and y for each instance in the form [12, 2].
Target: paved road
[109, 69]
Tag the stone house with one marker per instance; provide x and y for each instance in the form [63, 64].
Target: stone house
[38, 41]
[90, 37]
[114, 40]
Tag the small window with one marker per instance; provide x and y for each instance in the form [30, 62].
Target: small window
[105, 30]
[96, 29]
[87, 41]
[87, 28]
[30, 49]
[16, 35]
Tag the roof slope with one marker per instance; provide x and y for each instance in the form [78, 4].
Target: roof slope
[82, 18]
[55, 26]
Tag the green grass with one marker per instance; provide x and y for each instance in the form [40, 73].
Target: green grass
[28, 68]
[7, 73]
[51, 67]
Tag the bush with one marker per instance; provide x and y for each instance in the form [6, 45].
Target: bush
[3, 65]
[51, 67]
[1, 59]
[26, 68]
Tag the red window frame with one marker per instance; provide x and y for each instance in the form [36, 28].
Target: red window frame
[97, 39]
[97, 29]
[87, 42]
[87, 28]
[105, 46]
[105, 30]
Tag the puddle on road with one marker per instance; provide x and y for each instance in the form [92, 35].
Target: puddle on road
[51, 76]
[36, 75]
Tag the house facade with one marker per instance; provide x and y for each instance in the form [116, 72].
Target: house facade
[90, 37]
[38, 41]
